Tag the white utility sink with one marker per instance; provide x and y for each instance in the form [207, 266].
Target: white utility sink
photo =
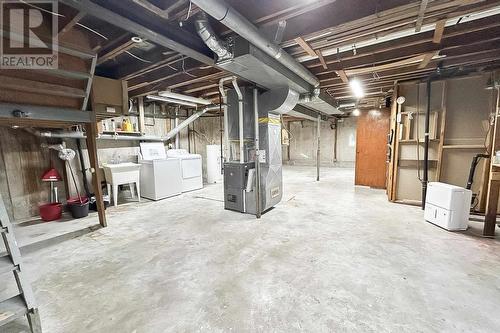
[120, 174]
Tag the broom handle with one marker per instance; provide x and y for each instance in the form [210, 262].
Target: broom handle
[74, 180]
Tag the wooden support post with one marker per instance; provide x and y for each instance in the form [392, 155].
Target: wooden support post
[441, 132]
[142, 125]
[491, 209]
[394, 133]
[91, 130]
[494, 183]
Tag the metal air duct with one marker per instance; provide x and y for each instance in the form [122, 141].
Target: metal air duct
[205, 31]
[243, 27]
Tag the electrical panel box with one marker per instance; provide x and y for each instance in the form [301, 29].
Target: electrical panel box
[447, 206]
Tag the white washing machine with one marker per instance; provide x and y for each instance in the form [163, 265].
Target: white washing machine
[161, 177]
[191, 167]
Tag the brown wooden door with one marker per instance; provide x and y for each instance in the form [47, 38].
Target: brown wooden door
[371, 148]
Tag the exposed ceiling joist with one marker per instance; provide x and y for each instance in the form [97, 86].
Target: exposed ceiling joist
[122, 48]
[421, 13]
[427, 59]
[321, 59]
[373, 69]
[306, 46]
[292, 11]
[439, 31]
[152, 8]
[71, 24]
[342, 76]
[126, 24]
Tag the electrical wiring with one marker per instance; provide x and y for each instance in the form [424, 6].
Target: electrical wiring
[92, 30]
[42, 9]
[189, 11]
[137, 57]
[184, 69]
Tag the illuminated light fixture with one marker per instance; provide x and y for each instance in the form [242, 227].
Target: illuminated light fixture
[136, 39]
[356, 113]
[356, 88]
[347, 105]
[170, 100]
[187, 98]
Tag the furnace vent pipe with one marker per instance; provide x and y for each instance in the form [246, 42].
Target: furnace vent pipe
[226, 122]
[243, 27]
[240, 120]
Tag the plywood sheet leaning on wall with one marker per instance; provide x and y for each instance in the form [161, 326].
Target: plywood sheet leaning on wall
[24, 162]
[460, 112]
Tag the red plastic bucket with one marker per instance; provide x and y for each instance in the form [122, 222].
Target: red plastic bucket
[51, 211]
[76, 201]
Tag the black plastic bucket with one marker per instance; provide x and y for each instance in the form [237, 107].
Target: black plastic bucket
[78, 209]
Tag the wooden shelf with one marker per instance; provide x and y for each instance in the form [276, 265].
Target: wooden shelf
[464, 147]
[415, 141]
[121, 133]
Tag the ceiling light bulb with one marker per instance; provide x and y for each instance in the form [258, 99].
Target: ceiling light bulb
[356, 88]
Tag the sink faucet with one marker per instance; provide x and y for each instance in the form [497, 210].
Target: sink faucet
[116, 159]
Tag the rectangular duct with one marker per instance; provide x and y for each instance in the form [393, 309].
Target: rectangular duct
[252, 64]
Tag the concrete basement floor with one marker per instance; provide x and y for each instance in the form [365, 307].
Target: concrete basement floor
[330, 257]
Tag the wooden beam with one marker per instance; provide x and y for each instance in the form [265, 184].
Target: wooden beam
[71, 24]
[427, 59]
[152, 8]
[438, 32]
[306, 46]
[372, 69]
[44, 88]
[341, 73]
[442, 130]
[421, 13]
[156, 66]
[174, 6]
[321, 59]
[91, 130]
[494, 182]
[292, 11]
[116, 51]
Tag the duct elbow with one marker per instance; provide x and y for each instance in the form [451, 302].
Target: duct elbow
[309, 97]
[210, 39]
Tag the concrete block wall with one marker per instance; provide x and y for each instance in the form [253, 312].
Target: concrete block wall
[303, 143]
